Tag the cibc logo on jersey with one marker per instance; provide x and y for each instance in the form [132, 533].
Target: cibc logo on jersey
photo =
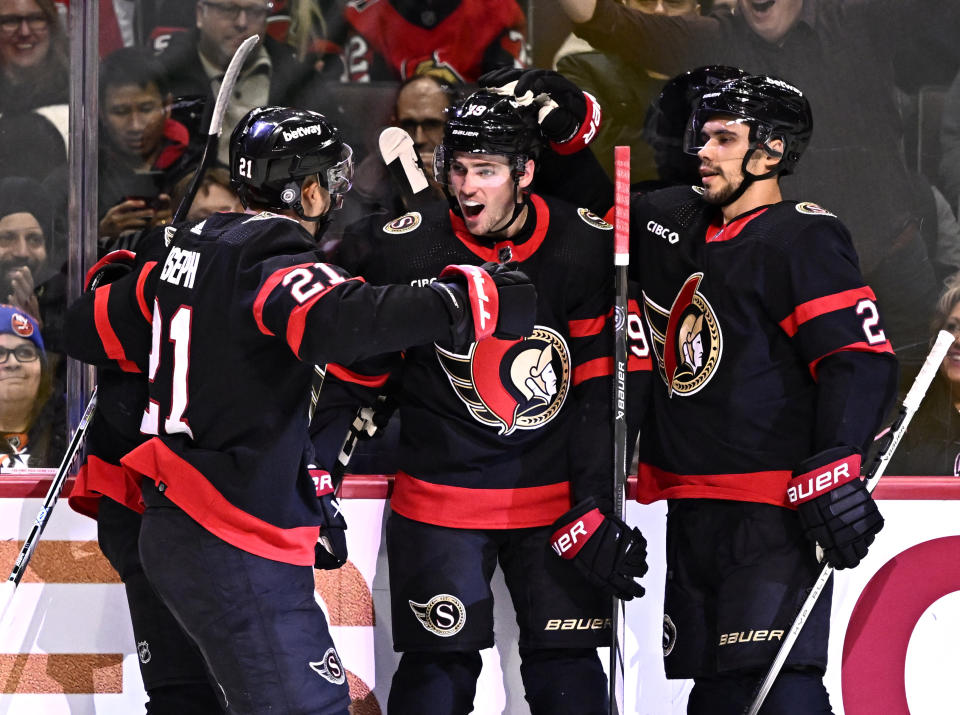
[512, 384]
[686, 338]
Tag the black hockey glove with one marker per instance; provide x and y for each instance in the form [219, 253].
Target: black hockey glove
[330, 551]
[491, 299]
[603, 548]
[568, 117]
[835, 508]
[111, 267]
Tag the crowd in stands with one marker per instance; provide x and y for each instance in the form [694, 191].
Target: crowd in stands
[870, 69]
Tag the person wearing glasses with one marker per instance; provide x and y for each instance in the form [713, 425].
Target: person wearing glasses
[195, 62]
[28, 438]
[33, 56]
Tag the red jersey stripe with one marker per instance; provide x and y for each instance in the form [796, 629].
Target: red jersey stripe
[463, 508]
[820, 306]
[141, 298]
[768, 487]
[884, 347]
[191, 491]
[342, 373]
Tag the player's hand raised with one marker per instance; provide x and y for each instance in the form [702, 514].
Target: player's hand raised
[568, 117]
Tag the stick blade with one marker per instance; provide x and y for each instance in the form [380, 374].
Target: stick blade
[397, 149]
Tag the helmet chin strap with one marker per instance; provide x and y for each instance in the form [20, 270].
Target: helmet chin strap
[748, 178]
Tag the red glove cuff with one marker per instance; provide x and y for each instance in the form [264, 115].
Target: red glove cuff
[809, 485]
[121, 256]
[484, 299]
[587, 132]
[568, 540]
[322, 481]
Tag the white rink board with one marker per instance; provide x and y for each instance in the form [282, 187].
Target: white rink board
[49, 618]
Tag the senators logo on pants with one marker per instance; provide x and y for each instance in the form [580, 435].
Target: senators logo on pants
[686, 338]
[512, 384]
[443, 615]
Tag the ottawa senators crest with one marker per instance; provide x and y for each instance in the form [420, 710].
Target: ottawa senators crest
[512, 384]
[686, 338]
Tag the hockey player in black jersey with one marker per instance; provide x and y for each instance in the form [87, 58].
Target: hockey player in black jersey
[500, 438]
[772, 374]
[226, 325]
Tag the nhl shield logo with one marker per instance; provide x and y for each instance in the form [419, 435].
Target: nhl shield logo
[143, 652]
[512, 384]
[686, 339]
[443, 615]
[330, 668]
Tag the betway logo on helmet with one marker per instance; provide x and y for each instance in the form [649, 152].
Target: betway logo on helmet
[301, 132]
[783, 85]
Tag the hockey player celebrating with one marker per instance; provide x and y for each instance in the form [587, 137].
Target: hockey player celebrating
[499, 439]
[227, 326]
[774, 375]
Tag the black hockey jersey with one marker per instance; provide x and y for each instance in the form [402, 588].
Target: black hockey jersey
[768, 346]
[503, 434]
[228, 325]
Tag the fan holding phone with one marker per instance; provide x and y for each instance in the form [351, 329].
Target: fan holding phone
[144, 150]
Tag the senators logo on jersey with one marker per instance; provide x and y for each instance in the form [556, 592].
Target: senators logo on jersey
[686, 338]
[512, 384]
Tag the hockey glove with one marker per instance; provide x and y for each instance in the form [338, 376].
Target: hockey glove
[835, 508]
[111, 267]
[486, 300]
[569, 118]
[603, 548]
[330, 551]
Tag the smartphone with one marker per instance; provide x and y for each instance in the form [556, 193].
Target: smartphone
[145, 186]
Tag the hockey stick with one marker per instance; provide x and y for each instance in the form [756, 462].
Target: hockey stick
[404, 164]
[43, 516]
[621, 261]
[216, 122]
[910, 404]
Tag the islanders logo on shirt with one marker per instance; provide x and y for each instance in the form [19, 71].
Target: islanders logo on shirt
[686, 338]
[511, 384]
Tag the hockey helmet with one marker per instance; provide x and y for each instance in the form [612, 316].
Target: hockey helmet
[490, 123]
[666, 121]
[272, 149]
[774, 109]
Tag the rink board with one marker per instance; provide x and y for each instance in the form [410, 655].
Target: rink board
[66, 646]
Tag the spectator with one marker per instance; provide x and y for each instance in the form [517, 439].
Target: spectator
[143, 151]
[623, 90]
[420, 109]
[840, 53]
[31, 146]
[950, 146]
[29, 434]
[213, 195]
[195, 61]
[458, 40]
[33, 56]
[25, 222]
[932, 444]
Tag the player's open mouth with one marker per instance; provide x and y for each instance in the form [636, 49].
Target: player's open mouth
[762, 7]
[471, 209]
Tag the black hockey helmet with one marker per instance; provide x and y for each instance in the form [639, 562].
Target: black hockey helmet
[490, 123]
[668, 115]
[272, 149]
[774, 109]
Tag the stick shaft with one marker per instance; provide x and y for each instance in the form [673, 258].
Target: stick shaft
[216, 122]
[909, 406]
[621, 260]
[43, 516]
